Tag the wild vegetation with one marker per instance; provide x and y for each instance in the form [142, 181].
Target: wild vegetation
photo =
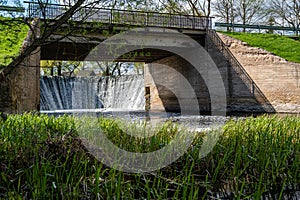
[12, 35]
[42, 157]
[281, 46]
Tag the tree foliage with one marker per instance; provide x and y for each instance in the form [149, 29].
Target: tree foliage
[58, 67]
[105, 68]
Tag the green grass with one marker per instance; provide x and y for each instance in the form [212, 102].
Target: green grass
[12, 35]
[42, 157]
[281, 46]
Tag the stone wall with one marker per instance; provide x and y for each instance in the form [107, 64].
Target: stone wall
[278, 79]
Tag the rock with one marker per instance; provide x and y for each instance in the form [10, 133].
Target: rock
[3, 116]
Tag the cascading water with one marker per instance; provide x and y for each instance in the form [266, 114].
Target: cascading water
[62, 93]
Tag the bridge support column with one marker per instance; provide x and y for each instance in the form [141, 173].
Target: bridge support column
[163, 99]
[153, 100]
[20, 90]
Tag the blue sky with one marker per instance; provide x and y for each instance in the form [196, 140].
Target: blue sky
[12, 2]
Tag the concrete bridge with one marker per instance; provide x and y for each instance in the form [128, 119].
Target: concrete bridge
[97, 25]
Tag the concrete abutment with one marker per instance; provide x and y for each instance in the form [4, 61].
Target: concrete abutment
[240, 98]
[20, 90]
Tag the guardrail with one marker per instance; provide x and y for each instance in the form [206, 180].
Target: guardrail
[12, 9]
[235, 64]
[259, 27]
[121, 17]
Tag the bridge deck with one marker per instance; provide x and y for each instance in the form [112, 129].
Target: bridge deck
[121, 17]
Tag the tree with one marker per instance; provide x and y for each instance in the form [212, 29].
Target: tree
[116, 68]
[288, 11]
[201, 8]
[225, 11]
[139, 68]
[58, 67]
[248, 10]
[271, 22]
[193, 7]
[109, 68]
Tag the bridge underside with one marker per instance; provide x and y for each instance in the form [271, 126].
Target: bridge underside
[158, 52]
[79, 52]
[77, 48]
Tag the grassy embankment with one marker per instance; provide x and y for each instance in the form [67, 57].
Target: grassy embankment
[12, 35]
[281, 46]
[41, 157]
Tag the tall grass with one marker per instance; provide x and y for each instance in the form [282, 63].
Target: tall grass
[258, 155]
[42, 157]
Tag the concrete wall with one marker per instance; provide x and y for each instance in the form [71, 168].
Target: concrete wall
[239, 96]
[20, 90]
[162, 98]
[278, 79]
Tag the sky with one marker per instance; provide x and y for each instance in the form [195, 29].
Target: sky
[12, 2]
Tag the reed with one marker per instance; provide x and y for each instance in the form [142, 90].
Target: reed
[43, 157]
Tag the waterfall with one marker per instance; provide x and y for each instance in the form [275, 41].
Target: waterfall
[60, 93]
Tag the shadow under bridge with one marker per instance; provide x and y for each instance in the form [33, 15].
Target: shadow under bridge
[135, 45]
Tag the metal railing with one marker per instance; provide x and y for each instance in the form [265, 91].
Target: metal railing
[239, 69]
[120, 17]
[12, 9]
[254, 26]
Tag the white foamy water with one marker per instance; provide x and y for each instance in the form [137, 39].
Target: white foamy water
[64, 93]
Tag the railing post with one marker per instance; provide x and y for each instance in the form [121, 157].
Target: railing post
[111, 16]
[193, 24]
[29, 9]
